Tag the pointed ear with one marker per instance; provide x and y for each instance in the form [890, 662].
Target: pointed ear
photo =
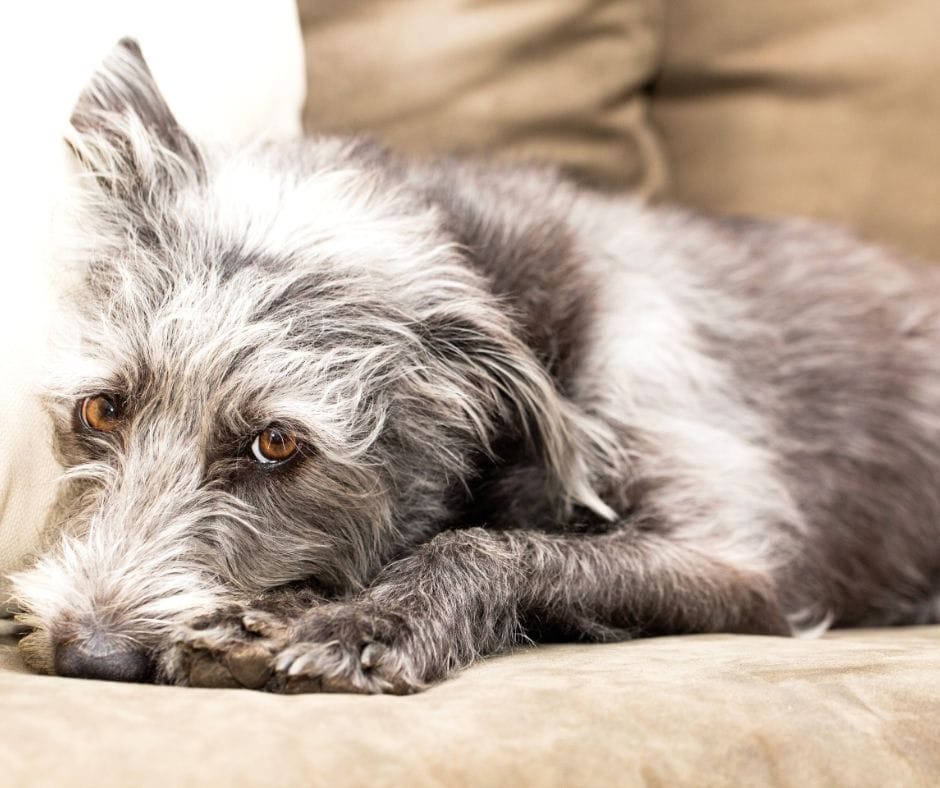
[125, 134]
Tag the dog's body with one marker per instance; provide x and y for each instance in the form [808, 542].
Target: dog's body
[520, 409]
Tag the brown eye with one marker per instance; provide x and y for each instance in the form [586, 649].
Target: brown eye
[100, 413]
[273, 445]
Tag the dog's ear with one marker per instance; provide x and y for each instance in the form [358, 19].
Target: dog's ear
[511, 393]
[125, 134]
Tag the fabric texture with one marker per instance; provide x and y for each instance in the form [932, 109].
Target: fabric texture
[231, 80]
[530, 79]
[858, 708]
[828, 108]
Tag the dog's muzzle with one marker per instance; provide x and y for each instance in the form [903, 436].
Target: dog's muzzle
[103, 657]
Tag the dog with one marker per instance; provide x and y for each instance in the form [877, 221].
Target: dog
[336, 420]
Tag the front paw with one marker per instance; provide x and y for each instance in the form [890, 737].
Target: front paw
[233, 647]
[354, 647]
[338, 647]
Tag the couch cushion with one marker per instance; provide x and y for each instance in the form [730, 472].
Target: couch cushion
[533, 79]
[858, 708]
[800, 106]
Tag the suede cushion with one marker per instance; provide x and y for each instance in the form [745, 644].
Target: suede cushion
[800, 106]
[859, 708]
[532, 78]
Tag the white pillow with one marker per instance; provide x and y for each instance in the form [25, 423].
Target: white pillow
[231, 71]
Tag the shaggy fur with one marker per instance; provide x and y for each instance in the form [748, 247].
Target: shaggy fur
[525, 411]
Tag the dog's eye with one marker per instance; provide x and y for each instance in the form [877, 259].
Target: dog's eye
[100, 413]
[273, 445]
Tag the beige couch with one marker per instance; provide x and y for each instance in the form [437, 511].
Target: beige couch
[809, 106]
[854, 709]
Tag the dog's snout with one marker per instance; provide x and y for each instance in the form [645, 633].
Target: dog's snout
[102, 657]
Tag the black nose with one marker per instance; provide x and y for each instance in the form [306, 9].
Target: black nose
[102, 657]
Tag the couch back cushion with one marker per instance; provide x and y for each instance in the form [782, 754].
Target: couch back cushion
[829, 109]
[535, 79]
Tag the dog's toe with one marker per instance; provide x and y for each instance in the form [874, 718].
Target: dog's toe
[250, 665]
[204, 671]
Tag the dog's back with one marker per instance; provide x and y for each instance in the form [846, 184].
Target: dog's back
[783, 365]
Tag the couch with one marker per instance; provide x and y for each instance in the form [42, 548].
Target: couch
[853, 709]
[821, 107]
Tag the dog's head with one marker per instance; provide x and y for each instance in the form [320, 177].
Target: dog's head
[277, 367]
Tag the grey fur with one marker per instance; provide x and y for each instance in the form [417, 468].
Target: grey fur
[526, 411]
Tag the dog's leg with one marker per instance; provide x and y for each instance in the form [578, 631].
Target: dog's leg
[471, 593]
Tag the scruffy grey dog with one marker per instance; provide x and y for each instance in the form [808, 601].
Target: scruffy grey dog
[333, 420]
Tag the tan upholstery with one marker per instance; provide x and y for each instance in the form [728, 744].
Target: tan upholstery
[855, 709]
[828, 108]
[530, 78]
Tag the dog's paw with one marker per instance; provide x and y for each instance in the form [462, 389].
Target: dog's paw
[338, 647]
[353, 647]
[232, 647]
